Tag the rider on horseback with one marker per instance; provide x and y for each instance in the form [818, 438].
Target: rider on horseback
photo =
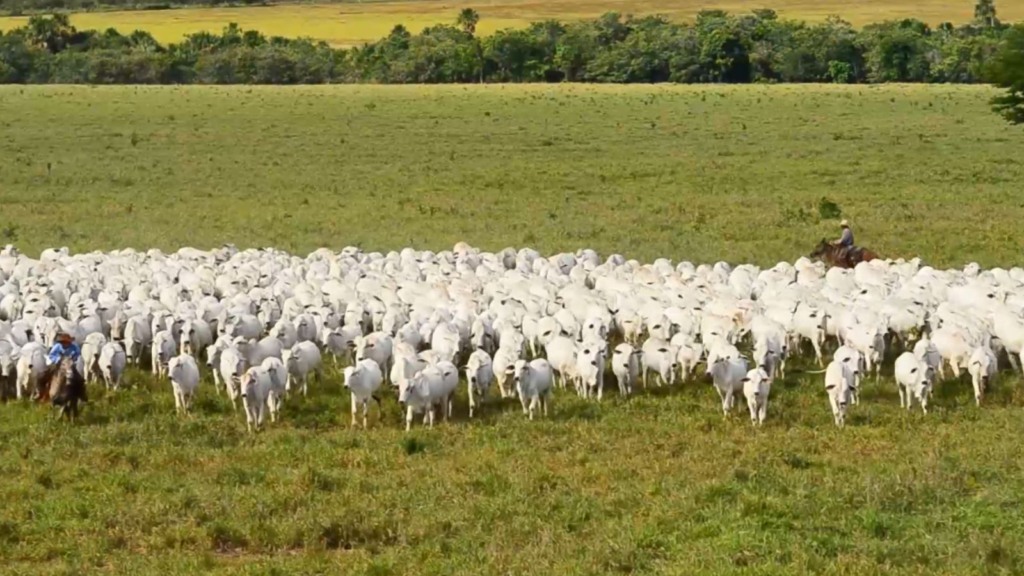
[845, 242]
[64, 346]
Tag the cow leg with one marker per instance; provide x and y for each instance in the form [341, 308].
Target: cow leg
[817, 351]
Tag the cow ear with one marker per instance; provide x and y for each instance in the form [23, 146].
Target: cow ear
[746, 379]
[913, 370]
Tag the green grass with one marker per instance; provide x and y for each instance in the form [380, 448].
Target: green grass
[660, 484]
[733, 173]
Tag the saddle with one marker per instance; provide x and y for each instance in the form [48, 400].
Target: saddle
[853, 254]
[57, 389]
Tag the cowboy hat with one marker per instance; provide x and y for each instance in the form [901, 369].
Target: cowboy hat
[63, 335]
[845, 223]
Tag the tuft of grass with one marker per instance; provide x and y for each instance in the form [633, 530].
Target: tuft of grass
[413, 446]
[828, 210]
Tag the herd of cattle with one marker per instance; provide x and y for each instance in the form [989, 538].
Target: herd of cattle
[514, 321]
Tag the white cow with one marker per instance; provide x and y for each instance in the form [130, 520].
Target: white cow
[982, 367]
[659, 356]
[590, 357]
[278, 380]
[839, 383]
[91, 356]
[561, 355]
[363, 380]
[137, 338]
[300, 360]
[341, 341]
[184, 374]
[926, 350]
[255, 392]
[503, 363]
[231, 366]
[626, 367]
[112, 362]
[688, 356]
[479, 377]
[195, 337]
[756, 387]
[30, 367]
[954, 346]
[727, 375]
[913, 380]
[162, 350]
[424, 390]
[853, 360]
[869, 342]
[377, 347]
[533, 383]
[8, 363]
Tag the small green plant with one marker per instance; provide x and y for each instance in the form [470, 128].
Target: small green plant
[413, 446]
[840, 72]
[828, 210]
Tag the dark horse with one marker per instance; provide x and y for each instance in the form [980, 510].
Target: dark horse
[64, 387]
[832, 255]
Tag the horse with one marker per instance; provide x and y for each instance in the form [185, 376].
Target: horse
[833, 255]
[64, 387]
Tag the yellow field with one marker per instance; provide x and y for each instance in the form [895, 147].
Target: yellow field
[355, 23]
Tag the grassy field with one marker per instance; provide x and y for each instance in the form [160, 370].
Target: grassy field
[660, 484]
[731, 173]
[352, 23]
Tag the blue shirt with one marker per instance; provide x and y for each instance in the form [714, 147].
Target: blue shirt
[60, 350]
[846, 240]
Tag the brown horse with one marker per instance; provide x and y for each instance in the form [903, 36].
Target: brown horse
[63, 386]
[832, 255]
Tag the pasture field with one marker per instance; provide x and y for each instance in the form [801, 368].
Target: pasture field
[353, 23]
[703, 173]
[658, 484]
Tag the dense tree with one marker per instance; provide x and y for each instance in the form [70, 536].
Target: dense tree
[467, 20]
[898, 51]
[716, 47]
[985, 14]
[1007, 71]
[53, 33]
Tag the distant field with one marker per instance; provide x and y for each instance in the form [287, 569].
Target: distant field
[658, 484]
[703, 173]
[354, 23]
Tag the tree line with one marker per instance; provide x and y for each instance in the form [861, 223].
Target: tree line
[717, 47]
